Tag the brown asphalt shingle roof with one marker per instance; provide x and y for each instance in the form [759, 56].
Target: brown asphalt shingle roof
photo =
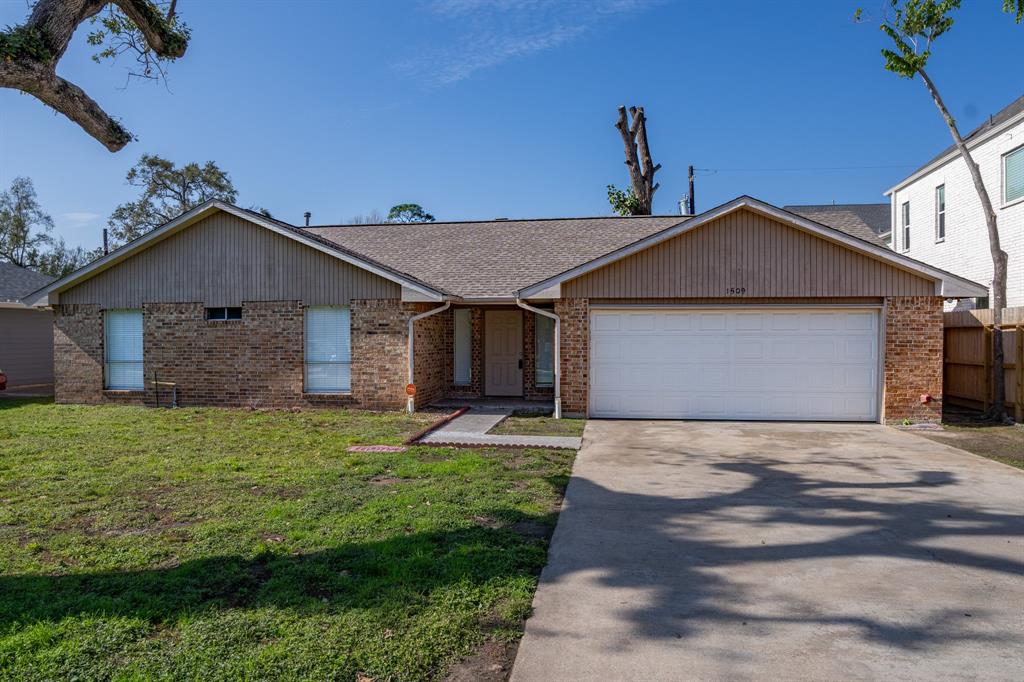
[492, 258]
[864, 221]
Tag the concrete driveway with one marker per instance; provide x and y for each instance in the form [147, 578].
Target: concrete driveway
[734, 551]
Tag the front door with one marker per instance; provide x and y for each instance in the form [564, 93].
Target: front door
[503, 352]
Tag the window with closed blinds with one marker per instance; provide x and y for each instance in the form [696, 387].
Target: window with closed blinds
[463, 346]
[1013, 175]
[328, 350]
[544, 337]
[122, 343]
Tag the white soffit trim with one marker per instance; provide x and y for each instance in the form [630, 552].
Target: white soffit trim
[45, 296]
[955, 154]
[947, 284]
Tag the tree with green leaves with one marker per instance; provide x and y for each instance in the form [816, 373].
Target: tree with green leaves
[409, 213]
[24, 226]
[914, 26]
[25, 238]
[29, 53]
[167, 191]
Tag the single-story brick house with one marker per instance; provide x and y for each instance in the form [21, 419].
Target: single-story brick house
[746, 311]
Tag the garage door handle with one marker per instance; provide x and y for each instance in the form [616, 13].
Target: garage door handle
[520, 363]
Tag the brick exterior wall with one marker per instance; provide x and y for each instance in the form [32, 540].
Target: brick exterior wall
[78, 354]
[913, 359]
[575, 328]
[431, 359]
[257, 361]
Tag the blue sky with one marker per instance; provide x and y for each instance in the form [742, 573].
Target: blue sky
[504, 108]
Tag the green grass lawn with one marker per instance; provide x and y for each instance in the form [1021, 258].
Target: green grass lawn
[225, 544]
[535, 425]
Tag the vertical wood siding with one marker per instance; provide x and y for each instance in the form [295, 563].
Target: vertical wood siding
[224, 260]
[748, 251]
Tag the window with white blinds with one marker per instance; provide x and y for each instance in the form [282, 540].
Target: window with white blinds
[545, 344]
[122, 367]
[1013, 175]
[328, 350]
[463, 346]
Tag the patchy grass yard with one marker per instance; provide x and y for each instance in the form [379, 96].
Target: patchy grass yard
[537, 425]
[223, 544]
[1002, 443]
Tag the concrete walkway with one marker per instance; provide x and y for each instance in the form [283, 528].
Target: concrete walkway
[471, 428]
[754, 551]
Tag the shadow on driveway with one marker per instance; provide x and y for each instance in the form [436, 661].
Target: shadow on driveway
[780, 551]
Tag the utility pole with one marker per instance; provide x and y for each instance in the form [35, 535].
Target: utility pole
[693, 204]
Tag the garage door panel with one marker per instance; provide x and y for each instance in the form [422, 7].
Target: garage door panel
[742, 364]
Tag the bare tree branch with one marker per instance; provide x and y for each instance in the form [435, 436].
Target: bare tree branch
[641, 167]
[29, 56]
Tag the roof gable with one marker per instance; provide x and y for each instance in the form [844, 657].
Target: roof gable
[42, 296]
[947, 284]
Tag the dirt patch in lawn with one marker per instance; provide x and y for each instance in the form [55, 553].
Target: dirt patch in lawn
[491, 662]
[969, 431]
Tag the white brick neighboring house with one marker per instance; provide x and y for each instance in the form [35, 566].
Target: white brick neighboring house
[998, 149]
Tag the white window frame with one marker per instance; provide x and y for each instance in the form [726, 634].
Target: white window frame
[323, 355]
[462, 346]
[1005, 157]
[905, 219]
[123, 351]
[940, 214]
[543, 322]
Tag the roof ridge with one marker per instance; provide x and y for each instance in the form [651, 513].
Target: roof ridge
[497, 220]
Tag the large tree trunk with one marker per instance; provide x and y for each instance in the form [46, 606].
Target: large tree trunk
[54, 22]
[999, 257]
[641, 166]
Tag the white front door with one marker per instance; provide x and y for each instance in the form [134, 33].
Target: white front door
[741, 363]
[503, 352]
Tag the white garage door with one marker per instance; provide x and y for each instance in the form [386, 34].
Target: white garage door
[743, 363]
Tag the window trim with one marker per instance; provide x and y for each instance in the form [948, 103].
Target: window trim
[1004, 203]
[465, 314]
[224, 309]
[107, 362]
[306, 362]
[547, 383]
[905, 218]
[940, 214]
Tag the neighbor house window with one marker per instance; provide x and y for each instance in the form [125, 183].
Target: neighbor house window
[463, 346]
[940, 213]
[223, 313]
[328, 350]
[122, 367]
[906, 225]
[1013, 175]
[544, 336]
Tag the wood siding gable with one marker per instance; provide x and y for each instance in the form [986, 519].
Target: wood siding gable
[223, 260]
[747, 254]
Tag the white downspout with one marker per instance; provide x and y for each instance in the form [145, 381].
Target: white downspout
[410, 402]
[558, 351]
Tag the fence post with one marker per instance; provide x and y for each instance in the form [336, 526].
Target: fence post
[987, 367]
[1018, 371]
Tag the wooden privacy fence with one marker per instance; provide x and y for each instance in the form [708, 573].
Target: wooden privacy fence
[967, 379]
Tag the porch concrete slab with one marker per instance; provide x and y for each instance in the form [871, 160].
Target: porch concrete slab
[449, 438]
[471, 428]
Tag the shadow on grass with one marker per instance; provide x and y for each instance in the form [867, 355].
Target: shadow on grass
[399, 571]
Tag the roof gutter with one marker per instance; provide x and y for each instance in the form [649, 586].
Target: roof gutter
[558, 351]
[410, 402]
